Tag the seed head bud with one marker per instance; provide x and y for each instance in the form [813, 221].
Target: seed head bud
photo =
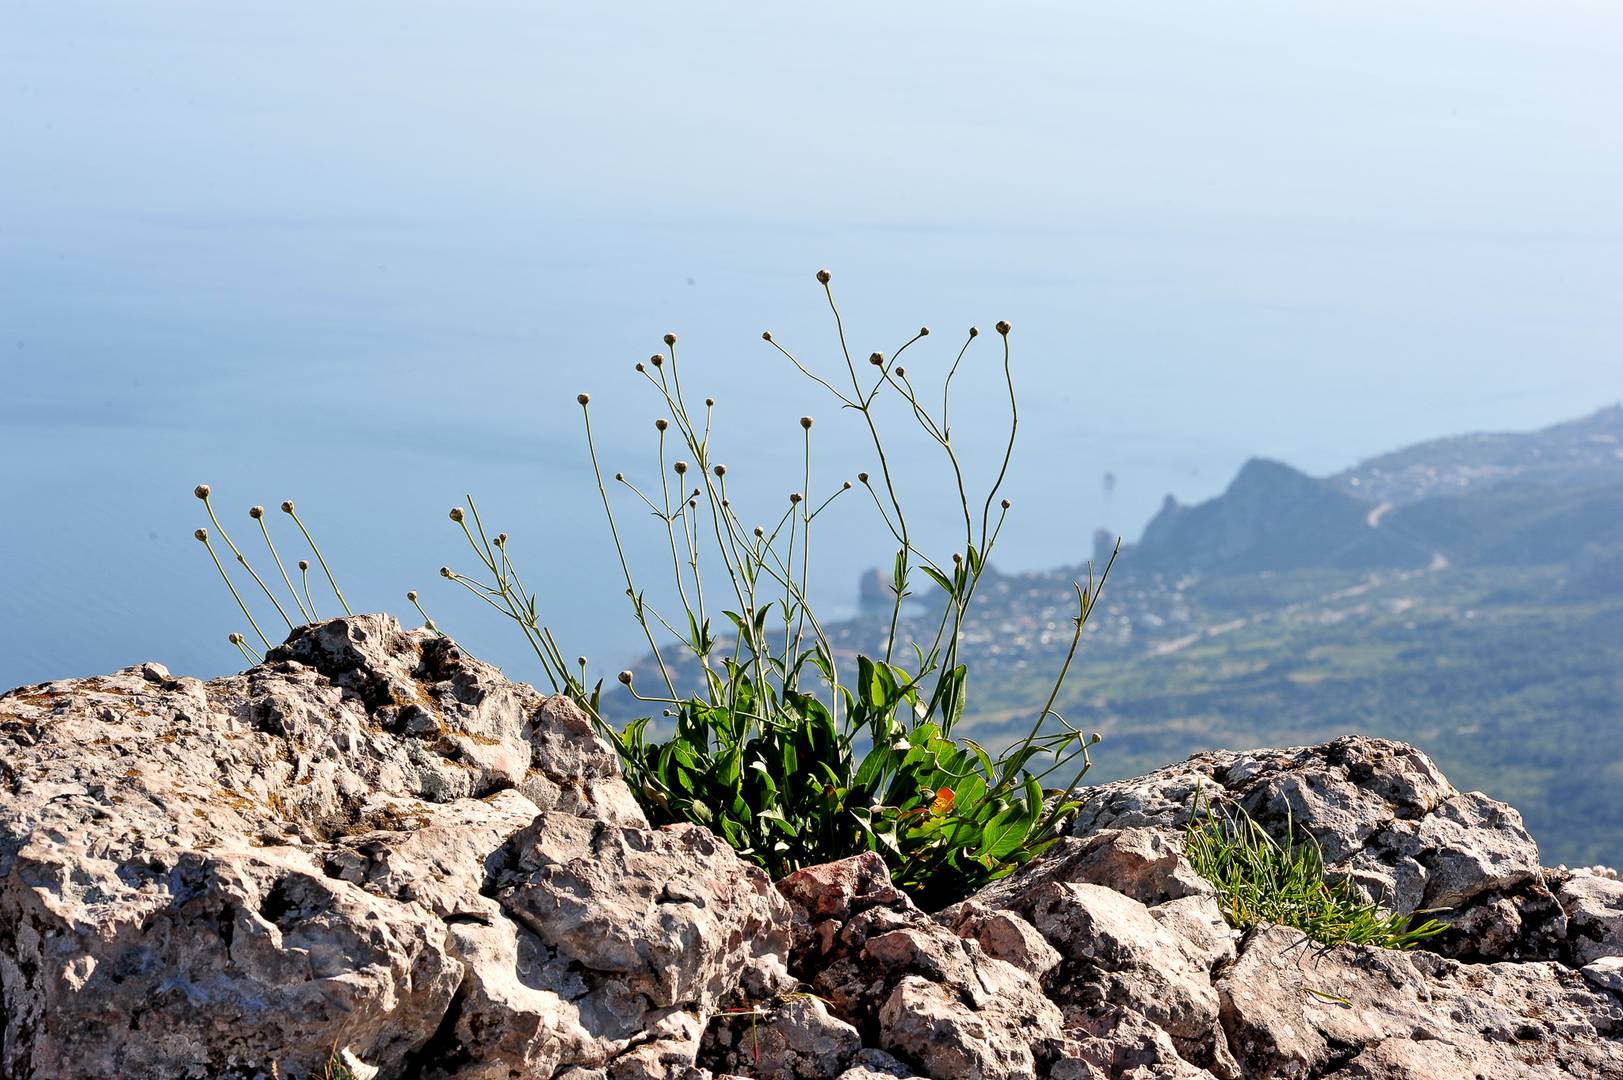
[806, 422]
[957, 558]
[693, 503]
[619, 476]
[901, 372]
[501, 539]
[974, 331]
[680, 467]
[287, 506]
[456, 513]
[580, 660]
[823, 276]
[445, 571]
[720, 470]
[924, 331]
[657, 359]
[256, 512]
[1003, 327]
[640, 368]
[1006, 504]
[411, 597]
[710, 403]
[766, 335]
[794, 498]
[625, 678]
[1096, 737]
[235, 639]
[862, 478]
[583, 398]
[876, 359]
[725, 504]
[846, 486]
[670, 339]
[202, 491]
[202, 534]
[304, 564]
[759, 532]
[661, 424]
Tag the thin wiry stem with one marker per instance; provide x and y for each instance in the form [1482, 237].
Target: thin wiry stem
[234, 594]
[260, 517]
[209, 506]
[619, 549]
[287, 507]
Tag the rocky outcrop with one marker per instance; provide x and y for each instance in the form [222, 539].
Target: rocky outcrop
[375, 845]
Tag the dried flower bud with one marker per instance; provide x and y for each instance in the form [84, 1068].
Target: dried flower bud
[583, 398]
[625, 678]
[256, 512]
[710, 403]
[411, 597]
[974, 331]
[957, 558]
[640, 368]
[862, 478]
[823, 276]
[445, 571]
[1095, 737]
[720, 470]
[456, 513]
[581, 660]
[901, 372]
[304, 564]
[202, 534]
[236, 639]
[287, 506]
[876, 359]
[924, 331]
[725, 504]
[661, 424]
[794, 498]
[846, 486]
[202, 491]
[620, 476]
[693, 503]
[759, 532]
[1003, 327]
[670, 339]
[806, 422]
[501, 539]
[766, 335]
[680, 467]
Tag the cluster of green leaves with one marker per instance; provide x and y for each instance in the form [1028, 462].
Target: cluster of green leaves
[775, 748]
[1262, 881]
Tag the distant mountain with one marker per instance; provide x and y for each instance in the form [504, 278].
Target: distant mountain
[1272, 517]
[1537, 497]
[1578, 453]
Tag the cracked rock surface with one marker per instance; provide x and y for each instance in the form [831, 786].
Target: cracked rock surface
[378, 844]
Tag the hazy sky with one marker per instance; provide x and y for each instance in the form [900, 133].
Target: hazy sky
[368, 253]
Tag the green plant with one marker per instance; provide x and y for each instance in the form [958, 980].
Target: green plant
[793, 753]
[777, 744]
[1263, 881]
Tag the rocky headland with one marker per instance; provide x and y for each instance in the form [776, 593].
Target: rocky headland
[376, 849]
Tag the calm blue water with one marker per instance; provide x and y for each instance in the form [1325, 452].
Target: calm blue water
[366, 258]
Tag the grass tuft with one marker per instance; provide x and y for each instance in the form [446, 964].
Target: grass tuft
[1261, 881]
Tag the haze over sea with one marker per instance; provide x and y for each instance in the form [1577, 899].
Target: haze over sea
[236, 249]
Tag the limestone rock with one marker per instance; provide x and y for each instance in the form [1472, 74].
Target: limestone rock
[372, 842]
[1594, 909]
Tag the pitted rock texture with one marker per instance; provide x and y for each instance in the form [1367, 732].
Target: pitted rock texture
[377, 844]
[372, 842]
